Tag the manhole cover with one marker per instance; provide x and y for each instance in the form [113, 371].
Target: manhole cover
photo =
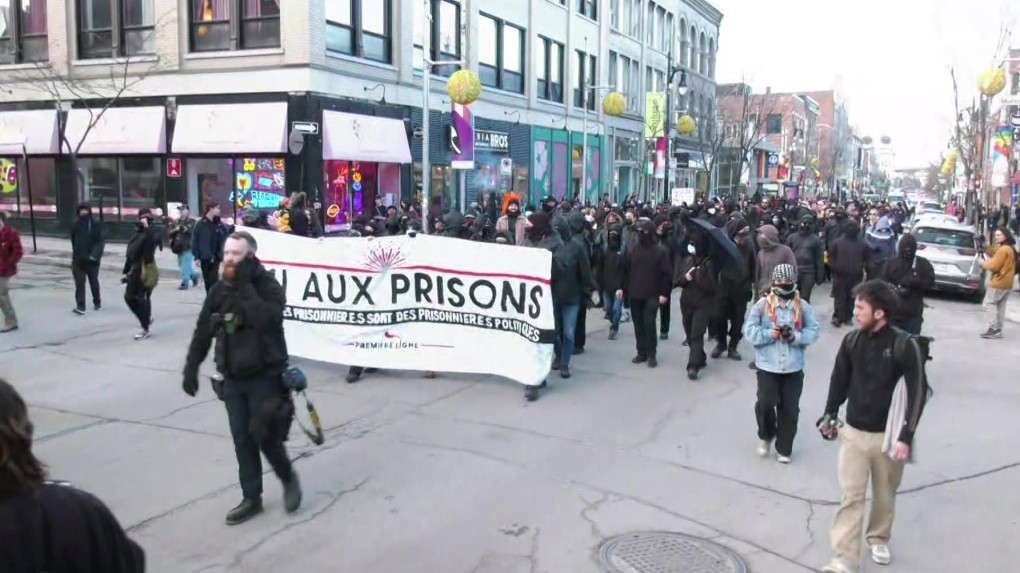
[662, 552]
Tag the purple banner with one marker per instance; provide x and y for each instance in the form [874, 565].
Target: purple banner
[462, 137]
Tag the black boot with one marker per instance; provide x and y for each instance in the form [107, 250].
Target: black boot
[292, 493]
[247, 509]
[718, 350]
[692, 373]
[639, 359]
[531, 392]
[732, 354]
[652, 362]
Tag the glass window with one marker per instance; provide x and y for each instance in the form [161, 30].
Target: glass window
[134, 35]
[626, 16]
[257, 20]
[650, 25]
[449, 28]
[14, 180]
[660, 26]
[945, 237]
[614, 14]
[513, 59]
[488, 37]
[667, 33]
[259, 182]
[138, 23]
[592, 78]
[23, 39]
[119, 187]
[340, 26]
[579, 78]
[348, 21]
[614, 70]
[418, 30]
[588, 8]
[635, 79]
[550, 71]
[635, 29]
[774, 123]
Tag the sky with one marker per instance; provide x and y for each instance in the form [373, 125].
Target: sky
[891, 58]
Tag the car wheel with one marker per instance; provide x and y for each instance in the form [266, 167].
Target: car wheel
[978, 296]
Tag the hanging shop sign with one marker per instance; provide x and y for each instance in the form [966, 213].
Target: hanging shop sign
[492, 140]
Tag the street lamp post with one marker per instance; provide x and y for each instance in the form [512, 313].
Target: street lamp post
[426, 88]
[667, 128]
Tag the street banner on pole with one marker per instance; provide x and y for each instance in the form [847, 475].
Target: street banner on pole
[655, 114]
[415, 303]
[462, 137]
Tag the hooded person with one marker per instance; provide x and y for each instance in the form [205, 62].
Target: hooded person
[736, 289]
[847, 258]
[881, 243]
[647, 284]
[87, 245]
[771, 253]
[810, 255]
[700, 284]
[513, 223]
[912, 276]
[453, 225]
[609, 275]
[665, 236]
[300, 222]
[581, 242]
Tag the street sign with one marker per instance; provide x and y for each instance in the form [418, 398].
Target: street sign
[773, 159]
[295, 142]
[305, 127]
[173, 167]
[506, 166]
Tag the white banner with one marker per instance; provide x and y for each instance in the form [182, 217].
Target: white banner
[415, 303]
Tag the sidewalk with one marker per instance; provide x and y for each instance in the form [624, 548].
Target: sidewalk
[55, 251]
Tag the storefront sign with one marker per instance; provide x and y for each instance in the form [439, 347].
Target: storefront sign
[415, 303]
[492, 140]
[462, 138]
[173, 167]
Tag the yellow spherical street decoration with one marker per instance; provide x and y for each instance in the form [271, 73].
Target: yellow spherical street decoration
[613, 104]
[575, 154]
[685, 125]
[991, 82]
[464, 87]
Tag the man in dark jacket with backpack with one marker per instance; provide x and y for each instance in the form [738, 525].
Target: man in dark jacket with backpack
[180, 245]
[87, 244]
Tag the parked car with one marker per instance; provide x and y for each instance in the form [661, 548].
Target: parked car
[928, 217]
[953, 252]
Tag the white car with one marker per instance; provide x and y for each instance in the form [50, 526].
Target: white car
[952, 250]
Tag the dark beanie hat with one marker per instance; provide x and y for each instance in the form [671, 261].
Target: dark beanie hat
[539, 223]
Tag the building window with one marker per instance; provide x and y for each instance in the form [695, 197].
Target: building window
[614, 70]
[625, 20]
[121, 187]
[614, 14]
[635, 78]
[223, 25]
[360, 28]
[23, 33]
[587, 71]
[774, 124]
[17, 199]
[649, 77]
[588, 8]
[660, 81]
[660, 27]
[650, 25]
[500, 54]
[667, 33]
[693, 53]
[115, 28]
[550, 71]
[685, 45]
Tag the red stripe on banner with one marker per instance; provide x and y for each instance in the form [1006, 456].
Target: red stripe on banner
[409, 268]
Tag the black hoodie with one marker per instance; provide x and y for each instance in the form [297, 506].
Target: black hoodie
[87, 242]
[912, 275]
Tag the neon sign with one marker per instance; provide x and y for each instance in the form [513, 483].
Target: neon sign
[260, 182]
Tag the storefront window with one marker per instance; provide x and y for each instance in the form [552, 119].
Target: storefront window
[209, 181]
[120, 187]
[14, 180]
[351, 188]
[259, 182]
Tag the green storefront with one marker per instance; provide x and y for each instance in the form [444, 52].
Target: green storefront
[558, 167]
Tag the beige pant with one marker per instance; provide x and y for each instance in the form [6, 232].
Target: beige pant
[860, 456]
[10, 319]
[995, 306]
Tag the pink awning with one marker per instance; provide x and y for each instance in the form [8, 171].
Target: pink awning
[32, 132]
[118, 131]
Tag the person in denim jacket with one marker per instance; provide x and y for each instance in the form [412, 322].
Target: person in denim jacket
[780, 326]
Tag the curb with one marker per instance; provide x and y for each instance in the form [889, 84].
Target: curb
[62, 261]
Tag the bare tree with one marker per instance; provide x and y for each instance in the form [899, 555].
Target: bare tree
[834, 149]
[745, 126]
[711, 138]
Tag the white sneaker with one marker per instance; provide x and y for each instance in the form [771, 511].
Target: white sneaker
[837, 566]
[880, 554]
[783, 459]
[763, 448]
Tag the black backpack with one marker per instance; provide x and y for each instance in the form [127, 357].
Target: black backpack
[899, 348]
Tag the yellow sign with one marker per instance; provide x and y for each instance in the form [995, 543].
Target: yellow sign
[8, 176]
[655, 113]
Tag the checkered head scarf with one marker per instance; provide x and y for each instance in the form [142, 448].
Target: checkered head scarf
[784, 273]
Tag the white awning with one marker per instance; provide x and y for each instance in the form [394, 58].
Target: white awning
[36, 129]
[231, 128]
[118, 131]
[364, 138]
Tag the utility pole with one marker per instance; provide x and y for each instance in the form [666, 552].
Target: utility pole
[667, 128]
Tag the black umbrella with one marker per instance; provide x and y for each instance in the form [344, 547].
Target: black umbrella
[724, 249]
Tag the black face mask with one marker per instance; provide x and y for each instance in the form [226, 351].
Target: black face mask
[908, 253]
[784, 292]
[614, 240]
[645, 237]
[548, 208]
[805, 227]
[533, 236]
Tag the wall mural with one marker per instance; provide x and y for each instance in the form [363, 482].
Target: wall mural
[540, 171]
[561, 165]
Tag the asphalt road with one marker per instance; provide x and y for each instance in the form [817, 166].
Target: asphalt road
[460, 474]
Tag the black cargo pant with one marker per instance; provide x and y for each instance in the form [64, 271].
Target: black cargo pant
[138, 298]
[778, 408]
[664, 315]
[82, 271]
[728, 323]
[210, 273]
[805, 284]
[697, 320]
[260, 413]
[842, 296]
[642, 313]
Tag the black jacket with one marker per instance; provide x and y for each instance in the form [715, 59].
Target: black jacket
[810, 253]
[256, 348]
[87, 241]
[912, 278]
[571, 274]
[142, 249]
[208, 239]
[612, 267]
[847, 257]
[703, 288]
[649, 272]
[59, 528]
[180, 235]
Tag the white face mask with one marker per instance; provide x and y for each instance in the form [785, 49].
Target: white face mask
[692, 250]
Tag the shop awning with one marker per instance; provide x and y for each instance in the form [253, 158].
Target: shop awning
[231, 128]
[364, 138]
[118, 131]
[36, 129]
